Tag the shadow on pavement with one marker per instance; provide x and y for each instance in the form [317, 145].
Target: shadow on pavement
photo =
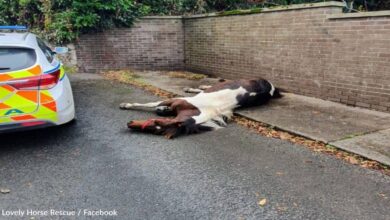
[35, 138]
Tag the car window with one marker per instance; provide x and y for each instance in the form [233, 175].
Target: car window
[13, 59]
[46, 50]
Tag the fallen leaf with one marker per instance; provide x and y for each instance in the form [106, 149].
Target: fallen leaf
[262, 202]
[285, 136]
[5, 190]
[281, 208]
[352, 160]
[382, 195]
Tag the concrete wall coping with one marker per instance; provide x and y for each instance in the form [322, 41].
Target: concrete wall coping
[162, 17]
[273, 9]
[360, 15]
[284, 8]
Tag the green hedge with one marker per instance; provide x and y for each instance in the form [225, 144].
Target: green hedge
[63, 21]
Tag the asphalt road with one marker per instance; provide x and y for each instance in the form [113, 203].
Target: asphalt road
[97, 163]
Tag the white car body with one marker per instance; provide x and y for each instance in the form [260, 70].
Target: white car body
[61, 92]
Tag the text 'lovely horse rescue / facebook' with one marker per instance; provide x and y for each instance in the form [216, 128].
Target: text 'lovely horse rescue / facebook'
[206, 111]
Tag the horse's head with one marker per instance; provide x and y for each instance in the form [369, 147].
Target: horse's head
[168, 127]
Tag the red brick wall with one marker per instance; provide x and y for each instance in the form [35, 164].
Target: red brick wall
[303, 51]
[149, 44]
[341, 59]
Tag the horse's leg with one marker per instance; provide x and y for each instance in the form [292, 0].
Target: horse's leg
[157, 105]
[165, 108]
[139, 105]
[200, 89]
[192, 90]
[204, 87]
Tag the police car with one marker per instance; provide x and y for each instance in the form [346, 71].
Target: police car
[34, 89]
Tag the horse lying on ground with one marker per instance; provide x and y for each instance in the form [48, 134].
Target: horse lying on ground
[208, 110]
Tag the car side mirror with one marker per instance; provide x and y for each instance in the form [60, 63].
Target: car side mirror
[61, 50]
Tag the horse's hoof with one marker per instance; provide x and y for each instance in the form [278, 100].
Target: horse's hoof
[204, 87]
[123, 105]
[186, 89]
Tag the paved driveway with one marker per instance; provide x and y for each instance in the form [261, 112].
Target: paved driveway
[97, 163]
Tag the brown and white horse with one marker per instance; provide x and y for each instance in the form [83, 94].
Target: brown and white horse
[206, 111]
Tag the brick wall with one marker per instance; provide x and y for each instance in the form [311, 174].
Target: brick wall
[313, 50]
[316, 51]
[152, 43]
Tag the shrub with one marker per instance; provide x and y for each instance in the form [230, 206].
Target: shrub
[63, 21]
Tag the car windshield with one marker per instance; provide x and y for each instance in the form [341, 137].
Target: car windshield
[13, 59]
